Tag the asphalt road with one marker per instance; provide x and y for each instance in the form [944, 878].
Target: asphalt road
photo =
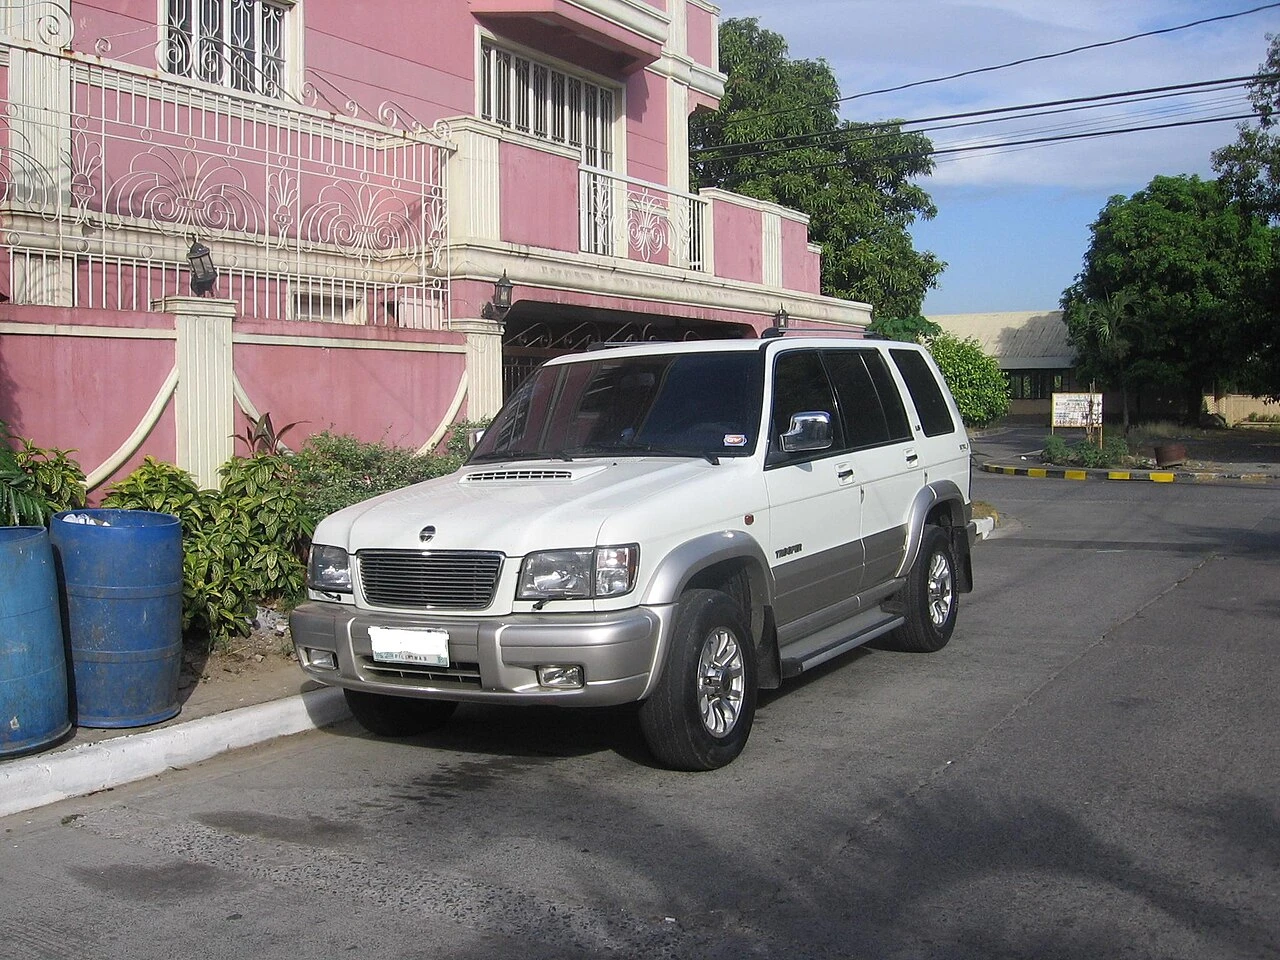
[1090, 769]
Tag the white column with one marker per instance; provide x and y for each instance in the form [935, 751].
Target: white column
[484, 365]
[771, 249]
[204, 404]
[473, 197]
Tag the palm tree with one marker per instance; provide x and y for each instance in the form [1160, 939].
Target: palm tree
[1107, 324]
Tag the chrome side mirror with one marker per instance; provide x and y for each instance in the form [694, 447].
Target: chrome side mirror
[810, 430]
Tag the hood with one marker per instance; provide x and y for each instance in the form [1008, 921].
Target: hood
[518, 507]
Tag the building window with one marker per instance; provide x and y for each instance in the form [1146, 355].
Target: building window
[1038, 384]
[539, 100]
[233, 43]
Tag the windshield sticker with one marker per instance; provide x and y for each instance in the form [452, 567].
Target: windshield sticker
[735, 440]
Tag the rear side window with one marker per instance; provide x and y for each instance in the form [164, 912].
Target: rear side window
[935, 415]
[872, 411]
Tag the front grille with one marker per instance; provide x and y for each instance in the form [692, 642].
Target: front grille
[429, 579]
[465, 675]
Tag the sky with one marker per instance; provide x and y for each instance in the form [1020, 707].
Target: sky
[1013, 224]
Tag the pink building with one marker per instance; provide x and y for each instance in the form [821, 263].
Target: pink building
[364, 174]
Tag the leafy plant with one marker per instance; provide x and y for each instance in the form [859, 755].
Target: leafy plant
[975, 379]
[36, 482]
[261, 435]
[1084, 453]
[264, 491]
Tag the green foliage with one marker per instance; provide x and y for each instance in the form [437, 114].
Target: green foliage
[777, 137]
[1249, 169]
[262, 492]
[975, 379]
[916, 329]
[1084, 453]
[1195, 271]
[261, 435]
[36, 482]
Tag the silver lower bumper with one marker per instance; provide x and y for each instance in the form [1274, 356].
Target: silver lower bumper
[491, 659]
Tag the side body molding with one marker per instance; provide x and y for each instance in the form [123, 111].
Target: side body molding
[689, 559]
[928, 497]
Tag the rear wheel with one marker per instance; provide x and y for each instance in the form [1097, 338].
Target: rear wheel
[929, 598]
[700, 714]
[389, 716]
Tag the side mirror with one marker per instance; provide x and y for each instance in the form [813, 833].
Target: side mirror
[473, 438]
[810, 430]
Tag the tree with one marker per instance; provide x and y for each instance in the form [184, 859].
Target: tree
[777, 137]
[1102, 331]
[914, 329]
[1193, 265]
[975, 379]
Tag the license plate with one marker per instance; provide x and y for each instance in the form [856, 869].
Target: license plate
[394, 645]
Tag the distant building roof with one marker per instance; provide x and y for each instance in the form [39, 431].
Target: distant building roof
[1035, 340]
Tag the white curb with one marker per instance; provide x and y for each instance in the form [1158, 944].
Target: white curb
[986, 526]
[34, 781]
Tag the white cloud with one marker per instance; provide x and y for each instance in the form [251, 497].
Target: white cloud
[871, 44]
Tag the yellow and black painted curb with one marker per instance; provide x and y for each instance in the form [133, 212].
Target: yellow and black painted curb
[1153, 476]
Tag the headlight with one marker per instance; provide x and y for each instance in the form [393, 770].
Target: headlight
[579, 574]
[329, 569]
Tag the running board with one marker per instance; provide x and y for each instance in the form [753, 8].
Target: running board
[837, 639]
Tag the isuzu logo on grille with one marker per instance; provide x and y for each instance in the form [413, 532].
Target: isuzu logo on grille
[426, 534]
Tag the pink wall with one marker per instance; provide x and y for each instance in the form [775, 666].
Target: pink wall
[801, 268]
[647, 128]
[85, 393]
[539, 197]
[393, 396]
[702, 36]
[738, 254]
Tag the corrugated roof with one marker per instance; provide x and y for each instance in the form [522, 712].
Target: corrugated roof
[1019, 341]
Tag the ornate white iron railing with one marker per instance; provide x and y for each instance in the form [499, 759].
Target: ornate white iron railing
[623, 217]
[109, 171]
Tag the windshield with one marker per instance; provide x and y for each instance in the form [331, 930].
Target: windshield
[689, 404]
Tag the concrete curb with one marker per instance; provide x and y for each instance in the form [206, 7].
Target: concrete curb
[986, 526]
[40, 779]
[1154, 476]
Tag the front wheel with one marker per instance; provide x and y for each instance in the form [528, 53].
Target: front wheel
[388, 716]
[929, 599]
[699, 715]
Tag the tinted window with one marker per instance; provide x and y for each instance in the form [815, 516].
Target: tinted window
[860, 404]
[800, 384]
[696, 404]
[895, 412]
[935, 416]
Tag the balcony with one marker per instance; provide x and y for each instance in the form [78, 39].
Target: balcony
[623, 217]
[632, 28]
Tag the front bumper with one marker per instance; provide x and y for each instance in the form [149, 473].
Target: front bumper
[491, 659]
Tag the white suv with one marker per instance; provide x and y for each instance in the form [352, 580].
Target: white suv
[678, 525]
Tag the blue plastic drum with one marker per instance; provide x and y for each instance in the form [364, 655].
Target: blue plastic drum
[33, 664]
[121, 577]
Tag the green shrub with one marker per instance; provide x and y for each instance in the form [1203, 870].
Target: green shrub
[36, 482]
[1084, 453]
[975, 379]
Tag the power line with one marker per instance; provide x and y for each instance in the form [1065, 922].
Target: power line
[834, 139]
[1036, 141]
[1011, 63]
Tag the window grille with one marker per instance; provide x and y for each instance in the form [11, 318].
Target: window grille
[537, 99]
[235, 43]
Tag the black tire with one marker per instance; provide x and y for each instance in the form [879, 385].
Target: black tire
[388, 716]
[699, 715]
[930, 599]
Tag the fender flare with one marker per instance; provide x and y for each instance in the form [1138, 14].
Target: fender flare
[689, 559]
[928, 497]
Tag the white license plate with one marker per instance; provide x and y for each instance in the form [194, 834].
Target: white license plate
[393, 645]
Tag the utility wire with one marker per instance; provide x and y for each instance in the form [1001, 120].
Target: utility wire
[1005, 66]
[814, 138]
[834, 139]
[1036, 141]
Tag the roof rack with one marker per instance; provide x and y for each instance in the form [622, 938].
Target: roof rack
[771, 333]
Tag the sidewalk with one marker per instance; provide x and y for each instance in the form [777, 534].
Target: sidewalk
[219, 713]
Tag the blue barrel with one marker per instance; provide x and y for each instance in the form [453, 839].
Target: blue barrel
[33, 661]
[121, 579]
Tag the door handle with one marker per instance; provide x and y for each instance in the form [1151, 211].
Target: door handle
[844, 473]
[912, 456]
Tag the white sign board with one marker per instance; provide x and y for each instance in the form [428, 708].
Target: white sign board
[1077, 410]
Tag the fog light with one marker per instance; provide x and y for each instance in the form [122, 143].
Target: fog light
[321, 659]
[560, 676]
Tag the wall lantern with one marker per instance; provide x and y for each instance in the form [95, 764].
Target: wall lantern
[498, 306]
[204, 275]
[781, 318]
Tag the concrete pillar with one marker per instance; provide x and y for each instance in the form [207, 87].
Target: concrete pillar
[484, 365]
[204, 405]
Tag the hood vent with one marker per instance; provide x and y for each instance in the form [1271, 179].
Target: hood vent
[516, 476]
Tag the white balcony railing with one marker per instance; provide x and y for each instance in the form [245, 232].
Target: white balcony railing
[624, 217]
